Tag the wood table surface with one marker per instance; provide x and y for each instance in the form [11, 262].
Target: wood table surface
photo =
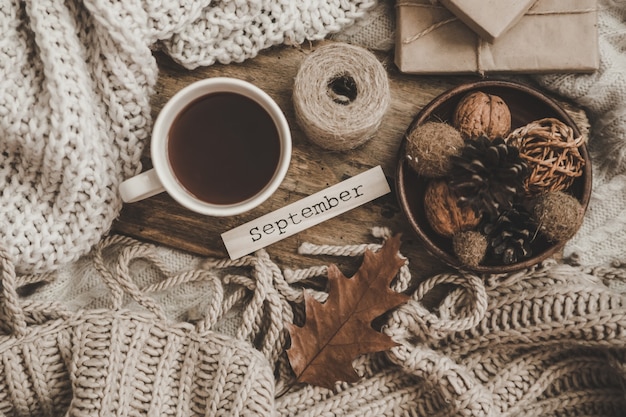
[160, 219]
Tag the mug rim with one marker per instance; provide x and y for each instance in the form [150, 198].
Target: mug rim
[178, 102]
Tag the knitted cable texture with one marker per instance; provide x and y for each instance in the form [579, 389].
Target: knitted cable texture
[75, 84]
[546, 341]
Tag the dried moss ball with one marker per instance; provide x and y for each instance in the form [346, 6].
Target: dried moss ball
[470, 247]
[558, 215]
[430, 146]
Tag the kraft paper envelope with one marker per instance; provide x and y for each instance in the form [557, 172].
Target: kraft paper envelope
[553, 36]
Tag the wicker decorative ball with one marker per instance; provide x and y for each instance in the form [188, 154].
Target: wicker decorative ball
[552, 153]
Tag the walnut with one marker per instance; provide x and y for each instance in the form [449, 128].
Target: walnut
[443, 213]
[482, 114]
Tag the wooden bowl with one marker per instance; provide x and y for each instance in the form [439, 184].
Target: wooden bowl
[526, 104]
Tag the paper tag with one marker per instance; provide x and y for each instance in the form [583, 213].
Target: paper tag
[307, 212]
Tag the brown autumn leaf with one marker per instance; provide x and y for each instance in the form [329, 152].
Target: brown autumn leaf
[339, 330]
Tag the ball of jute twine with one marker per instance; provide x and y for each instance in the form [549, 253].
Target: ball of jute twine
[340, 96]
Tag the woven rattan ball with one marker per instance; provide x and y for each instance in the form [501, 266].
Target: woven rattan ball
[552, 153]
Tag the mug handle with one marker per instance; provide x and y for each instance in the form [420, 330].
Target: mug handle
[141, 186]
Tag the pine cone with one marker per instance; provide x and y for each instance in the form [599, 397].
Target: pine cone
[488, 176]
[510, 235]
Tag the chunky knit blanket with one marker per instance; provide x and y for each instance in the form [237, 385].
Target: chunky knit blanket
[135, 329]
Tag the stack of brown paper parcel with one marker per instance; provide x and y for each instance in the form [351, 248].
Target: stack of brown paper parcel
[552, 36]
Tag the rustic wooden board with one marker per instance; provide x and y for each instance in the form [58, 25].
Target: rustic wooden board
[160, 219]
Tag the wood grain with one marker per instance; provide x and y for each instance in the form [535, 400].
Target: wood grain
[160, 219]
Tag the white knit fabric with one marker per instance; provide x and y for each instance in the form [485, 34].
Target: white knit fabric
[75, 84]
[74, 106]
[233, 30]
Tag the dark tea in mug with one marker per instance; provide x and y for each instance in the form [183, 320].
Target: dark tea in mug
[224, 148]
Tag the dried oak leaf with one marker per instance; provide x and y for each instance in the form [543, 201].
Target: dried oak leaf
[340, 329]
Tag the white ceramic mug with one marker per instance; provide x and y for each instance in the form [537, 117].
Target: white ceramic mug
[162, 176]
